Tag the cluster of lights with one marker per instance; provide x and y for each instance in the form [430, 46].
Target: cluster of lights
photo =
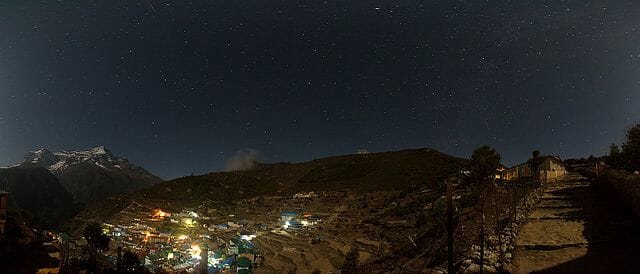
[183, 237]
[159, 214]
[195, 251]
[248, 237]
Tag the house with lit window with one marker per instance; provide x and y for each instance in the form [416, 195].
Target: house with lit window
[516, 172]
[551, 167]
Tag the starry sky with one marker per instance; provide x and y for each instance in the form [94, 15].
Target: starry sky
[179, 87]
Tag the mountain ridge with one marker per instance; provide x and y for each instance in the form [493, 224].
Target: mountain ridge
[93, 174]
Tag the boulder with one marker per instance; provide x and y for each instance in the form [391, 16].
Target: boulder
[473, 268]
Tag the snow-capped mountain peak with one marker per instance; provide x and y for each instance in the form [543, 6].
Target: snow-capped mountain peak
[59, 161]
[92, 174]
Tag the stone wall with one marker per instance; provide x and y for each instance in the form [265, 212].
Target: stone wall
[498, 251]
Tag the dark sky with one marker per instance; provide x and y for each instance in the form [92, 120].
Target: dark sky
[180, 86]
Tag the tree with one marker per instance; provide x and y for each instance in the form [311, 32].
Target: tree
[614, 159]
[631, 148]
[536, 154]
[96, 241]
[131, 263]
[350, 265]
[535, 162]
[484, 163]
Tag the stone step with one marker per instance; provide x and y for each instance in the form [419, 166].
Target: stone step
[558, 203]
[560, 206]
[556, 212]
[577, 217]
[561, 197]
[552, 247]
[552, 232]
[528, 261]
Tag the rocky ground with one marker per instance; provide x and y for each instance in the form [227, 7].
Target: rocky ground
[575, 230]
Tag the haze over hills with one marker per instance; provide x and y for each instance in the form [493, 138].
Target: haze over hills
[94, 174]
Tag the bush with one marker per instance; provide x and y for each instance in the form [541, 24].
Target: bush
[625, 187]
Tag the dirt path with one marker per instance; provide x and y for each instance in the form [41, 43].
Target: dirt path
[573, 230]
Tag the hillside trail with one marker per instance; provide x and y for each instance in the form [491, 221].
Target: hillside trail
[574, 229]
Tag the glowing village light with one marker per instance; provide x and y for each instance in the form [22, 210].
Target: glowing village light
[213, 261]
[195, 251]
[248, 237]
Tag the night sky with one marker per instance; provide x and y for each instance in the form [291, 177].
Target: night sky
[180, 86]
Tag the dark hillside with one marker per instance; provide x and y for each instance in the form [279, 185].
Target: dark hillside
[38, 195]
[364, 172]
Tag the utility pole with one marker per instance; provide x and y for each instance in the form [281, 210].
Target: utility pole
[450, 268]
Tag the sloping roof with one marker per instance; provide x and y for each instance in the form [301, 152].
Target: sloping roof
[556, 158]
[553, 157]
[516, 166]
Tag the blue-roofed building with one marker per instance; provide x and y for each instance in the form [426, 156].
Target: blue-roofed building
[288, 216]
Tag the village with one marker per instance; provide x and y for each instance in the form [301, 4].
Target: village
[303, 232]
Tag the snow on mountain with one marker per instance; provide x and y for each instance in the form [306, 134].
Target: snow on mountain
[57, 162]
[93, 174]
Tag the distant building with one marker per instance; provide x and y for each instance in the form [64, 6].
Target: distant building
[551, 167]
[245, 264]
[500, 170]
[515, 172]
[294, 225]
[233, 247]
[288, 216]
[303, 195]
[4, 200]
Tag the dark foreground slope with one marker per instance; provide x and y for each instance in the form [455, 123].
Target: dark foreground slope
[36, 195]
[363, 172]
